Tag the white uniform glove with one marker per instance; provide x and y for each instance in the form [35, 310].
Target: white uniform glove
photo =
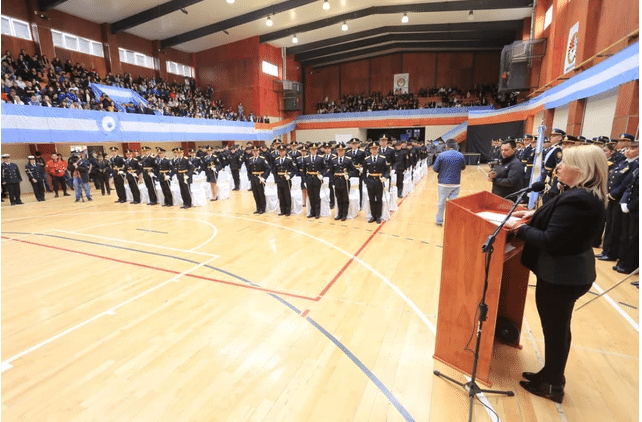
[625, 208]
[320, 178]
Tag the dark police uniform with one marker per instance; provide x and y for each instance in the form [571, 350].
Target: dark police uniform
[132, 170]
[11, 179]
[118, 166]
[284, 170]
[148, 164]
[314, 167]
[101, 176]
[377, 169]
[258, 168]
[340, 170]
[235, 161]
[629, 257]
[327, 158]
[36, 175]
[184, 168]
[164, 172]
[402, 163]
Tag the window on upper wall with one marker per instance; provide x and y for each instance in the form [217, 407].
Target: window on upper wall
[75, 43]
[138, 59]
[179, 69]
[16, 28]
[270, 69]
[548, 17]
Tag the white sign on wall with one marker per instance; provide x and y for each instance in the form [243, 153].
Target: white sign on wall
[400, 83]
[571, 48]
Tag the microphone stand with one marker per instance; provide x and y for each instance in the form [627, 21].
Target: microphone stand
[471, 386]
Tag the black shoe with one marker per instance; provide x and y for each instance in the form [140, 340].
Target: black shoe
[544, 389]
[66, 194]
[261, 212]
[153, 203]
[214, 199]
[122, 201]
[344, 218]
[636, 284]
[606, 258]
[169, 205]
[532, 376]
[372, 220]
[309, 215]
[280, 214]
[89, 199]
[135, 202]
[56, 196]
[338, 217]
[622, 270]
[256, 212]
[400, 196]
[378, 220]
[287, 215]
[77, 200]
[186, 206]
[103, 193]
[19, 203]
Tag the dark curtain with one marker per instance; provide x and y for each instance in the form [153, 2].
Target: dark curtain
[479, 138]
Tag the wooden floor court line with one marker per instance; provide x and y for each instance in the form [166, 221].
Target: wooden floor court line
[246, 286]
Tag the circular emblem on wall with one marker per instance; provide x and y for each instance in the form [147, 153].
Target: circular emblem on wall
[108, 124]
[401, 81]
[572, 49]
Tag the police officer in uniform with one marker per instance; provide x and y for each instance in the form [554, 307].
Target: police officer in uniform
[327, 158]
[341, 167]
[401, 164]
[357, 156]
[300, 171]
[132, 171]
[183, 168]
[11, 179]
[528, 157]
[36, 175]
[284, 170]
[619, 180]
[118, 168]
[259, 170]
[552, 157]
[164, 172]
[197, 165]
[377, 170]
[148, 164]
[235, 162]
[212, 166]
[314, 167]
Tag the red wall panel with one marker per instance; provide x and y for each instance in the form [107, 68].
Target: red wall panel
[321, 82]
[421, 70]
[486, 68]
[16, 9]
[382, 70]
[354, 77]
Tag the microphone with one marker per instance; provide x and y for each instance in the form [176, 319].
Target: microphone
[535, 187]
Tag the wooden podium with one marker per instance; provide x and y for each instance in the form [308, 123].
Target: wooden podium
[462, 283]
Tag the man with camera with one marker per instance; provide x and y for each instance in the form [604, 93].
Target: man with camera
[79, 168]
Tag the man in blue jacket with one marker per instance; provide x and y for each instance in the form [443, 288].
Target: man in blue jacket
[448, 167]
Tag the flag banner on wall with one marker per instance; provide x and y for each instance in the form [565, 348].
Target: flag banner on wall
[571, 48]
[400, 83]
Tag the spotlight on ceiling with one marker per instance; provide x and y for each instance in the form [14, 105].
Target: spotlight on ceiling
[295, 39]
[230, 1]
[404, 18]
[344, 27]
[326, 5]
[269, 22]
[471, 16]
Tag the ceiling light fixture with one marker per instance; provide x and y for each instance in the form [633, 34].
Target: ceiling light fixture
[404, 18]
[295, 39]
[269, 22]
[471, 16]
[326, 5]
[344, 27]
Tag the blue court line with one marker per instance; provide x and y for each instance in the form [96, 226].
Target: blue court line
[372, 377]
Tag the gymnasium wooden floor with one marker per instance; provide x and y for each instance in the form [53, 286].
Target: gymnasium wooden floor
[121, 312]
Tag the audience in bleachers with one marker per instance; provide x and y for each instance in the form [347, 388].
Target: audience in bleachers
[34, 80]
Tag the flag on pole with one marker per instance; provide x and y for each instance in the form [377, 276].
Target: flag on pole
[536, 174]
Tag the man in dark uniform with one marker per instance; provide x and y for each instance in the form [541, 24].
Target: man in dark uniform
[212, 166]
[164, 173]
[11, 179]
[528, 157]
[36, 175]
[551, 158]
[300, 171]
[246, 160]
[132, 171]
[101, 177]
[197, 165]
[357, 155]
[148, 164]
[259, 170]
[183, 168]
[341, 167]
[118, 171]
[328, 156]
[401, 164]
[386, 151]
[284, 170]
[235, 165]
[630, 206]
[314, 171]
[619, 180]
[377, 170]
[41, 162]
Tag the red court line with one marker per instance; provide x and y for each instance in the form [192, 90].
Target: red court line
[336, 277]
[229, 283]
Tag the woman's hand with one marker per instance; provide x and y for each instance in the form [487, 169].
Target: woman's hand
[524, 214]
